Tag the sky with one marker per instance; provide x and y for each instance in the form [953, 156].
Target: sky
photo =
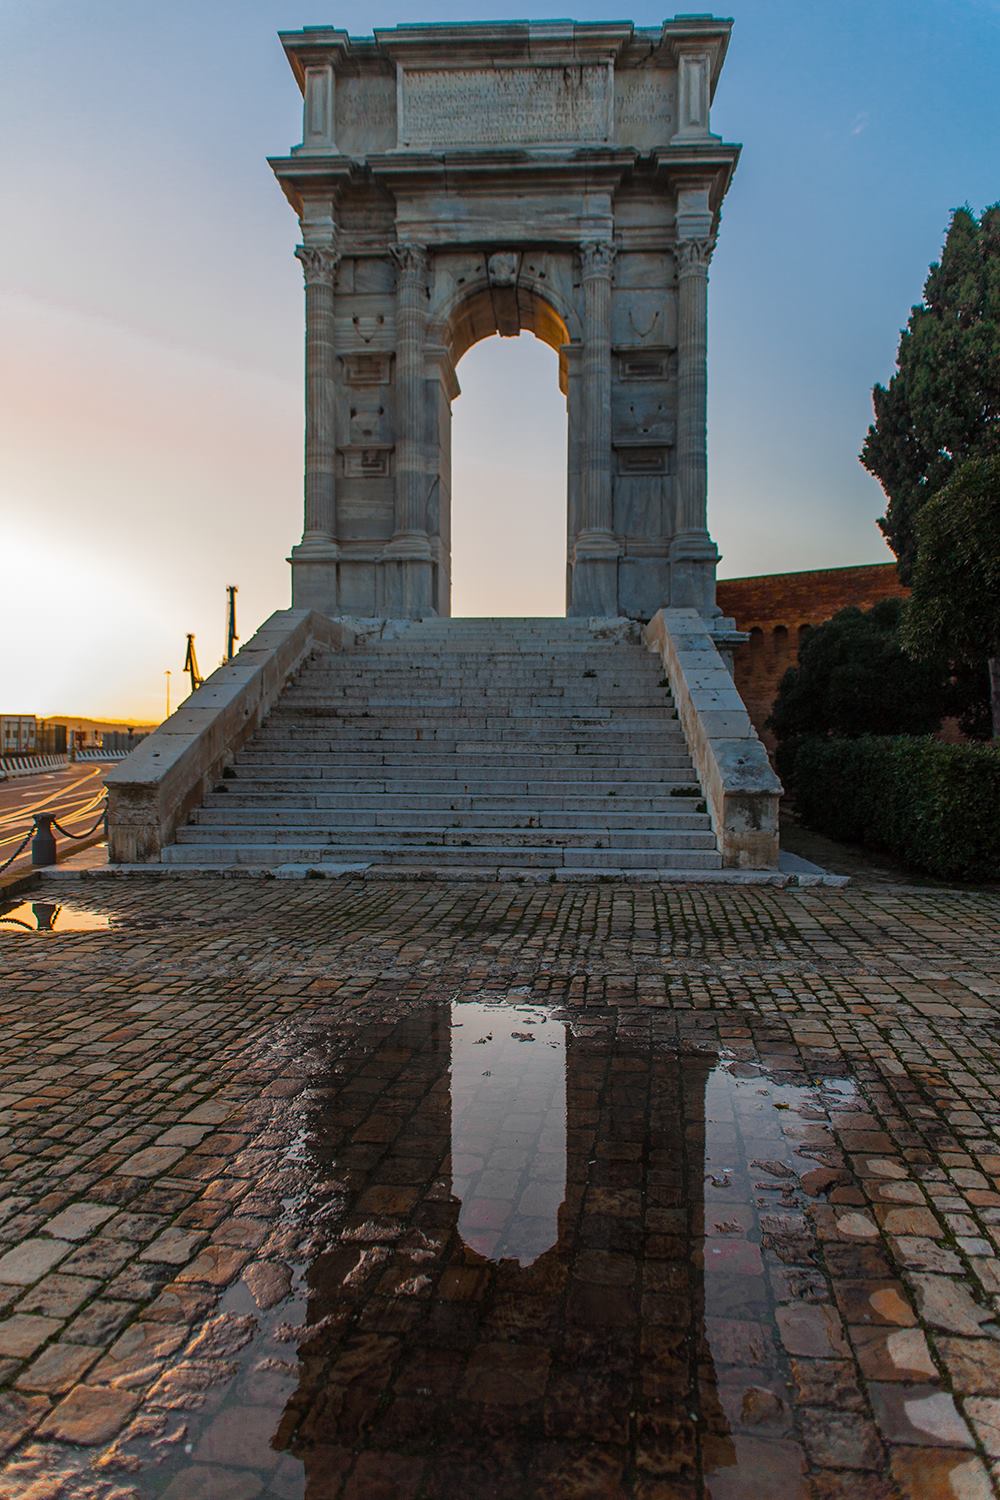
[151, 317]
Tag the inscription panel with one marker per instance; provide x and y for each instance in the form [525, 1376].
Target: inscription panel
[505, 105]
[644, 106]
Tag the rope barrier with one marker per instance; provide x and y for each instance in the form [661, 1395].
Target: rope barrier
[67, 834]
[21, 846]
[42, 825]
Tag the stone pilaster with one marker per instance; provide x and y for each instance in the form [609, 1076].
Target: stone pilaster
[693, 554]
[411, 301]
[410, 593]
[319, 266]
[595, 573]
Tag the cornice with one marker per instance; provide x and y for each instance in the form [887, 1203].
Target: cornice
[507, 42]
[681, 165]
[490, 168]
[318, 173]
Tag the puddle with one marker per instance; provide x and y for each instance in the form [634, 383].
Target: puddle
[50, 916]
[508, 1129]
[507, 1257]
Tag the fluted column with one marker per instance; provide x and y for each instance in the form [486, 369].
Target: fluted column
[597, 258]
[693, 257]
[693, 553]
[319, 267]
[410, 536]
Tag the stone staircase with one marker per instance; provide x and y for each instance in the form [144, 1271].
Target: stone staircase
[476, 746]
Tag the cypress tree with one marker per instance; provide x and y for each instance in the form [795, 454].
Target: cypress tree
[942, 406]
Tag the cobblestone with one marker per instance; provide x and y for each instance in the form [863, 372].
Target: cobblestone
[430, 1190]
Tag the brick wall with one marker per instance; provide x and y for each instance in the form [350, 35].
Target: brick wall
[780, 608]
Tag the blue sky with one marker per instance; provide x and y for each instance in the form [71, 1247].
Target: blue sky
[150, 315]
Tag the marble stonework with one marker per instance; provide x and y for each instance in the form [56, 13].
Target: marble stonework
[456, 181]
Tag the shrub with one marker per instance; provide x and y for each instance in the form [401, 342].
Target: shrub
[854, 677]
[936, 807]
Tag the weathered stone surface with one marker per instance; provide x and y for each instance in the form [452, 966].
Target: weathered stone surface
[30, 1260]
[78, 1220]
[89, 1415]
[23, 1333]
[58, 1368]
[398, 288]
[735, 774]
[945, 1302]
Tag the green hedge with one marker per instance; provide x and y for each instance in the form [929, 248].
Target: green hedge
[936, 807]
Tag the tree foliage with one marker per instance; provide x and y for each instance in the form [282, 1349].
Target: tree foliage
[942, 406]
[853, 677]
[955, 605]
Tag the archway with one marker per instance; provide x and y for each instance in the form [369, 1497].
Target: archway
[508, 509]
[513, 520]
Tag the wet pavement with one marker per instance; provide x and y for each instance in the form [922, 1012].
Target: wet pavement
[341, 1190]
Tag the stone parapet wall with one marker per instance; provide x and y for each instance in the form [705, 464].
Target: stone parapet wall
[779, 609]
[166, 777]
[740, 788]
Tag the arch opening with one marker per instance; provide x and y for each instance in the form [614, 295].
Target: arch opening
[509, 480]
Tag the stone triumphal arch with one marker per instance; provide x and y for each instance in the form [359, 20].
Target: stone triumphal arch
[456, 181]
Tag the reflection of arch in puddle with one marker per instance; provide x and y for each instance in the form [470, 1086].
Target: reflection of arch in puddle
[508, 1129]
[520, 1356]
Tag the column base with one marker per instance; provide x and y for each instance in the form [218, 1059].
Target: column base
[405, 587]
[314, 576]
[694, 558]
[408, 546]
[594, 575]
[596, 544]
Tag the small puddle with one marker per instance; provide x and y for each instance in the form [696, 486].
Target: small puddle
[50, 916]
[508, 1129]
[505, 1255]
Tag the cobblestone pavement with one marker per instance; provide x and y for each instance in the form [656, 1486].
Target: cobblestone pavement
[359, 1190]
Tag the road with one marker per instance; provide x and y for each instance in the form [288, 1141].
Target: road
[75, 795]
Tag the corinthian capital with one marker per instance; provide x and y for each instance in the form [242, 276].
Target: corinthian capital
[694, 255]
[410, 258]
[319, 264]
[597, 257]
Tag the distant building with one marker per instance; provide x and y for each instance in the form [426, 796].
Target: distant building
[25, 734]
[18, 734]
[779, 609]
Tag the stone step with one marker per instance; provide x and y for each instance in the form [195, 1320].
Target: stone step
[476, 745]
[384, 796]
[533, 653]
[565, 720]
[638, 717]
[480, 680]
[407, 816]
[471, 741]
[460, 695]
[447, 740]
[461, 837]
[222, 855]
[424, 756]
[469, 776]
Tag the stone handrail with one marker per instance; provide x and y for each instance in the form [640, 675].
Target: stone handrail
[740, 788]
[167, 775]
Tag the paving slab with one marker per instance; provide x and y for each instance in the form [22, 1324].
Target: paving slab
[425, 1188]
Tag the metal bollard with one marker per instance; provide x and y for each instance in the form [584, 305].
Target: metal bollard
[43, 845]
